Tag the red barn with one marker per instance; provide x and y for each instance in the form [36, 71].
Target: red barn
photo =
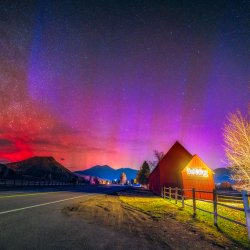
[179, 168]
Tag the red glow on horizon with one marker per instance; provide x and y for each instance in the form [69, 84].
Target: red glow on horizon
[19, 151]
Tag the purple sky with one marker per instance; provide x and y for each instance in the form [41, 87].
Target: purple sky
[107, 82]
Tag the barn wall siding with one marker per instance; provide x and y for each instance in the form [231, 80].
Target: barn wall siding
[198, 182]
[154, 181]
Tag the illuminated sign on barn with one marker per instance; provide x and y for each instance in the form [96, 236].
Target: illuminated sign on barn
[179, 168]
[197, 171]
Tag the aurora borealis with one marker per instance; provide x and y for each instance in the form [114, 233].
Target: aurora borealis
[107, 82]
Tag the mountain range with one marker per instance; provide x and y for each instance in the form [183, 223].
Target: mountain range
[48, 168]
[222, 175]
[108, 173]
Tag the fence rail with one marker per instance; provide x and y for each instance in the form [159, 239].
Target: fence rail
[178, 195]
[25, 183]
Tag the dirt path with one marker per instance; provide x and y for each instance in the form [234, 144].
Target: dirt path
[115, 217]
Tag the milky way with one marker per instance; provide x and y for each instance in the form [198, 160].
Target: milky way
[107, 82]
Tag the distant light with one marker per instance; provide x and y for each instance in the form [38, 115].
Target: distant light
[197, 171]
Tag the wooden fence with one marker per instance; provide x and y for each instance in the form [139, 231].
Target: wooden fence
[25, 183]
[178, 195]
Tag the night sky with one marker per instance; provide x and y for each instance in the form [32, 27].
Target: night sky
[107, 82]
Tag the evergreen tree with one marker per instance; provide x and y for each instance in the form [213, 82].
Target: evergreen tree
[143, 174]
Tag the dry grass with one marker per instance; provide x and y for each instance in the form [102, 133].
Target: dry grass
[159, 208]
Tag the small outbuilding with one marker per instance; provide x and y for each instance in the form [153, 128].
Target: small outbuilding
[179, 168]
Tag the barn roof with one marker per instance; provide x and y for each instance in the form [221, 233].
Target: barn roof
[196, 158]
[178, 156]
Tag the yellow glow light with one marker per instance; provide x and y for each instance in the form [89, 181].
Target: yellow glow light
[197, 171]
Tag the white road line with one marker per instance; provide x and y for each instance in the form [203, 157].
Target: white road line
[25, 195]
[43, 204]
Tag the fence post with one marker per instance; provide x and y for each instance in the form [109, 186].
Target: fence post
[170, 195]
[194, 201]
[176, 195]
[215, 206]
[247, 211]
[164, 192]
[182, 199]
[161, 191]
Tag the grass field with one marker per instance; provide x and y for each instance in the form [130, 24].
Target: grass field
[158, 208]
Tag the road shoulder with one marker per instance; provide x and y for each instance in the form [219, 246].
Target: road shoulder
[116, 215]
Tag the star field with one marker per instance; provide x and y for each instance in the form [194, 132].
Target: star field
[107, 82]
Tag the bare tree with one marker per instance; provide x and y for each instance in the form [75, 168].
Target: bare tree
[237, 148]
[158, 155]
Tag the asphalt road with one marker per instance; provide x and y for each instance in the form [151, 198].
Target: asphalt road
[33, 219]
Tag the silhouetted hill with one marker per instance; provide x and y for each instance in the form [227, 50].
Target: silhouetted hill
[41, 167]
[221, 175]
[106, 172]
[6, 172]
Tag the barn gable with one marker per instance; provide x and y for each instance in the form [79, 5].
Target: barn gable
[172, 163]
[198, 175]
[195, 165]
